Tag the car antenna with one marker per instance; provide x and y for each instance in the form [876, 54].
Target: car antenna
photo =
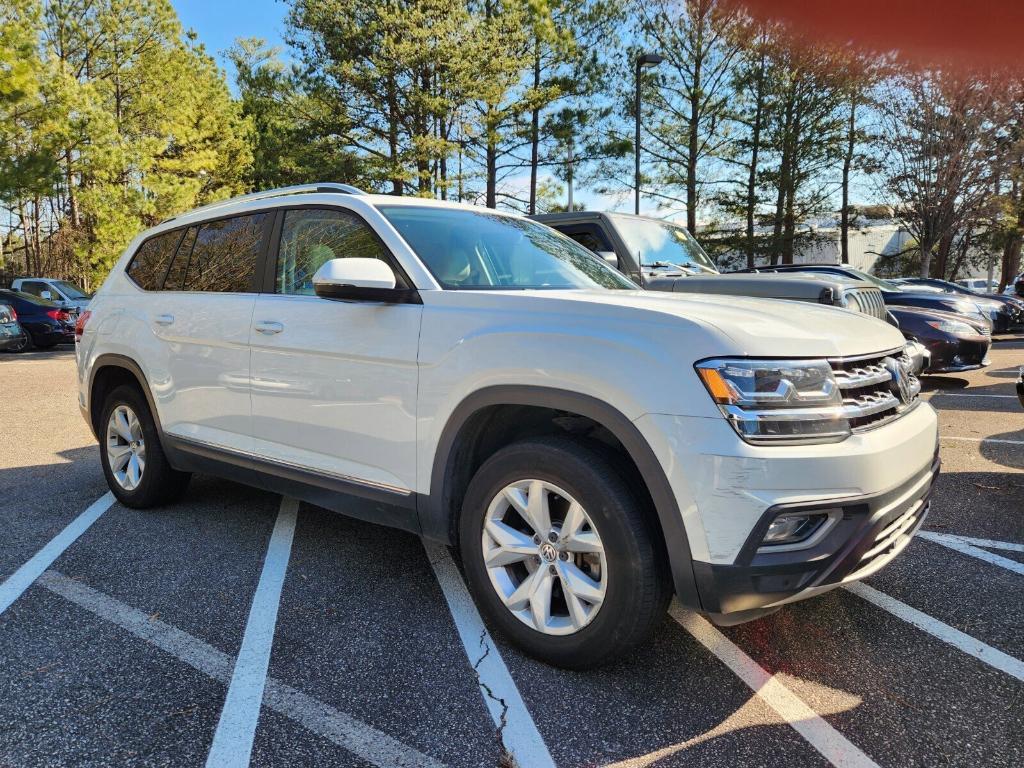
[640, 265]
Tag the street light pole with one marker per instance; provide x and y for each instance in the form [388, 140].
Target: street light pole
[643, 61]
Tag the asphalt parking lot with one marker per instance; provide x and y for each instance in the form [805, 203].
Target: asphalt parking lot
[134, 637]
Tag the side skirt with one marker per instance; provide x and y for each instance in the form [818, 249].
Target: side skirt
[350, 498]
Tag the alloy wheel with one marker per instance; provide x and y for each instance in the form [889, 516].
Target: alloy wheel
[544, 557]
[126, 448]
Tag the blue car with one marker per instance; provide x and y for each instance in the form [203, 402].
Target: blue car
[45, 324]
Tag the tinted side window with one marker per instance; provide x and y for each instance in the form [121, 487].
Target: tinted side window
[32, 287]
[312, 236]
[150, 261]
[225, 252]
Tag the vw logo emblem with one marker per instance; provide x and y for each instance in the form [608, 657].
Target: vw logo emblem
[548, 552]
[900, 380]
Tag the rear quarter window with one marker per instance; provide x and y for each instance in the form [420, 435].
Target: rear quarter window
[224, 256]
[148, 266]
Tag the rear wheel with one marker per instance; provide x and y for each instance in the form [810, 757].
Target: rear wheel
[133, 460]
[559, 553]
[26, 344]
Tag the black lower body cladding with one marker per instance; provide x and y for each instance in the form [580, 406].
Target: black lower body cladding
[871, 530]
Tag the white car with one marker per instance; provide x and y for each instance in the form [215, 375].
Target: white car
[66, 295]
[979, 284]
[484, 381]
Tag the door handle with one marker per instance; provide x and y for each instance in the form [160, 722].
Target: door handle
[269, 327]
[163, 319]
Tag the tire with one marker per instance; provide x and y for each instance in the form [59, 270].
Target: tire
[27, 345]
[633, 572]
[153, 483]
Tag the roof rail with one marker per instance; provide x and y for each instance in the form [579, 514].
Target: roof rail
[298, 189]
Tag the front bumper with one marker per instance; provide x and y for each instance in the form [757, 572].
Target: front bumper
[728, 491]
[870, 532]
[955, 353]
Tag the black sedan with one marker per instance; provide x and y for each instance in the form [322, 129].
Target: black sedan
[1011, 314]
[955, 343]
[12, 336]
[974, 308]
[46, 323]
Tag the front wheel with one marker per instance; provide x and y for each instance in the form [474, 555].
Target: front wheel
[560, 555]
[133, 459]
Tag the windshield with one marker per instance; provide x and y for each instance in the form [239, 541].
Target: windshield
[70, 290]
[467, 250]
[655, 243]
[885, 285]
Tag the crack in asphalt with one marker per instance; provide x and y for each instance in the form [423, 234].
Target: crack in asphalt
[506, 760]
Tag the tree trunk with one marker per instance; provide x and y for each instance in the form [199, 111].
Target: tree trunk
[693, 143]
[844, 213]
[492, 171]
[535, 131]
[1012, 250]
[755, 148]
[785, 169]
[396, 178]
[942, 260]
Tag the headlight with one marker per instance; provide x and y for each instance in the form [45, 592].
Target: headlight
[852, 303]
[955, 327]
[777, 400]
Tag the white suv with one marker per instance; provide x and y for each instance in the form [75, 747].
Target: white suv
[484, 381]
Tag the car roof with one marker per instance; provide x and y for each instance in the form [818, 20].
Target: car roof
[319, 193]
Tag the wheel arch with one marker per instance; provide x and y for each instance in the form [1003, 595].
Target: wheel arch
[108, 372]
[459, 442]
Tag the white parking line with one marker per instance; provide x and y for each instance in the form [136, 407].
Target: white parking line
[832, 745]
[1009, 546]
[232, 743]
[966, 548]
[973, 394]
[947, 634]
[518, 732]
[347, 732]
[22, 578]
[982, 440]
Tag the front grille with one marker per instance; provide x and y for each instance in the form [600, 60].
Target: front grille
[871, 394]
[870, 301]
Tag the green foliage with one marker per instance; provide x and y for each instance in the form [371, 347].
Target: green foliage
[119, 121]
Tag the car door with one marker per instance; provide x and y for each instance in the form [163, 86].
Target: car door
[201, 320]
[334, 382]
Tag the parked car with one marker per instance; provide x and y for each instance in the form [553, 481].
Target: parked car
[12, 336]
[62, 293]
[662, 256]
[975, 308]
[979, 284]
[46, 324]
[1010, 316]
[954, 342]
[486, 382]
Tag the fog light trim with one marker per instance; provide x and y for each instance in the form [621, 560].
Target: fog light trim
[798, 530]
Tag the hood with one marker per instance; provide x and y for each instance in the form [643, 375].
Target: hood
[756, 327]
[925, 313]
[950, 301]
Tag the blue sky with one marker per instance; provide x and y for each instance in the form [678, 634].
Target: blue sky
[219, 22]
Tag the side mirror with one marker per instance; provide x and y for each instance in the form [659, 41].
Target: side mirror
[46, 295]
[610, 258]
[359, 279]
